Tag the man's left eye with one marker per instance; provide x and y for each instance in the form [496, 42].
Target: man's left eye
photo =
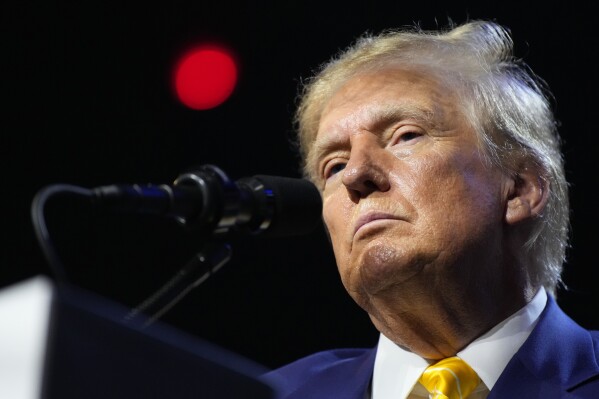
[407, 136]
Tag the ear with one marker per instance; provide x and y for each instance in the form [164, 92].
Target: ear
[528, 194]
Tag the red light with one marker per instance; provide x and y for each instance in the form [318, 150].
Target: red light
[205, 77]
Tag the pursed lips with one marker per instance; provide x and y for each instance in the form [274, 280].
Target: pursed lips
[372, 216]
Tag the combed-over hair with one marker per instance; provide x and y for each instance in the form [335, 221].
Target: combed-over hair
[506, 103]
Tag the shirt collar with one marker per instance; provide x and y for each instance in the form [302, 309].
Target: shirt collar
[488, 355]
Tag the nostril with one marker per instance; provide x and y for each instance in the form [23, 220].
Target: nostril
[366, 187]
[369, 184]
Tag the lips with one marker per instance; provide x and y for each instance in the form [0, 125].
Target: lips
[369, 217]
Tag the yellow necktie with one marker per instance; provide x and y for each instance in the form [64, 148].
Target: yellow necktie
[449, 378]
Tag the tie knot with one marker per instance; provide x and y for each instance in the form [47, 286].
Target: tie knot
[450, 378]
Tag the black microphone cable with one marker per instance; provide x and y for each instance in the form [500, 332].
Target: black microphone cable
[203, 198]
[41, 229]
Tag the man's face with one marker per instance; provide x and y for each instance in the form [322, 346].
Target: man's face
[410, 203]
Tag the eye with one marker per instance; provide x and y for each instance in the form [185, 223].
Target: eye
[408, 136]
[332, 170]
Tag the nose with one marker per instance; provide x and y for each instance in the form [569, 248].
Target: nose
[365, 172]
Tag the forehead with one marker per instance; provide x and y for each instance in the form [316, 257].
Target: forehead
[377, 101]
[391, 92]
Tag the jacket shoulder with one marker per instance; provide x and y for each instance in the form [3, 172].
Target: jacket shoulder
[560, 359]
[323, 373]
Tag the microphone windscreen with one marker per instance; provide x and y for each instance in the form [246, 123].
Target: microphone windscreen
[297, 206]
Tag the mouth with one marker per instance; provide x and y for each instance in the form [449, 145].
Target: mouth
[370, 217]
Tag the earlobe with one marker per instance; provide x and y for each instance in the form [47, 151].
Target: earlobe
[528, 195]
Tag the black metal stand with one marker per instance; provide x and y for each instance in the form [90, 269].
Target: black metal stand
[199, 268]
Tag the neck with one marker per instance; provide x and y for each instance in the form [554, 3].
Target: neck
[436, 324]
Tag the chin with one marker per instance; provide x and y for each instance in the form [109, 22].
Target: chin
[378, 265]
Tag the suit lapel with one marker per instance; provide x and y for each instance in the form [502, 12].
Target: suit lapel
[347, 380]
[557, 358]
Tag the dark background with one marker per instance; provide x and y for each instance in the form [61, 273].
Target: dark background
[87, 101]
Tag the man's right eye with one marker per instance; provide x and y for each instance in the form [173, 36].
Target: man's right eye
[334, 169]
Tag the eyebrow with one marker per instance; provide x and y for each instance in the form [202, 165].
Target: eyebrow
[378, 120]
[382, 117]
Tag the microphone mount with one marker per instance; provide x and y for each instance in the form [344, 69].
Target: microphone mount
[203, 197]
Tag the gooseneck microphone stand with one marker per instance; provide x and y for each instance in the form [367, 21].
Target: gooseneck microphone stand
[200, 267]
[203, 197]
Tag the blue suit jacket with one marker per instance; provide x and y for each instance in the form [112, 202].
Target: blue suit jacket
[558, 360]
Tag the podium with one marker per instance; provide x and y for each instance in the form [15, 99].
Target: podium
[68, 343]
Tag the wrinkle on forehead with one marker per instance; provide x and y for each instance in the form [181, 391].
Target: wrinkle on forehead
[422, 97]
[377, 115]
[362, 104]
[373, 118]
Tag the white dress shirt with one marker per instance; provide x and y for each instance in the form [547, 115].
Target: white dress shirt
[396, 370]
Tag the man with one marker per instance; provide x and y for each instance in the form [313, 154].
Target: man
[444, 195]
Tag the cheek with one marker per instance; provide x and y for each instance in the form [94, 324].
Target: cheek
[458, 197]
[336, 212]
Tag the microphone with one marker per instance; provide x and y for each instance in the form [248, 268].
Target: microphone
[204, 196]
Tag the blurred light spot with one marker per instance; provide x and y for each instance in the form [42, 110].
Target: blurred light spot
[205, 77]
